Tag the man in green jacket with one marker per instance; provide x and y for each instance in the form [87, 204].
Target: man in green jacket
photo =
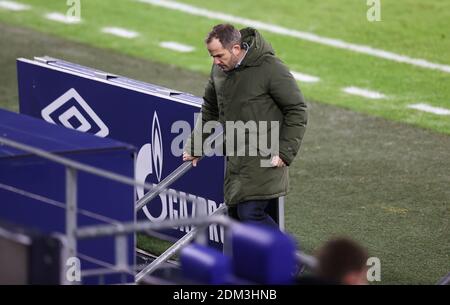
[248, 83]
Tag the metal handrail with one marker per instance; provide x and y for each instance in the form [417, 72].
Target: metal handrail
[120, 230]
[142, 226]
[163, 185]
[75, 164]
[445, 280]
[173, 177]
[72, 167]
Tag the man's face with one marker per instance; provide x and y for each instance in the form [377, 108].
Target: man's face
[224, 58]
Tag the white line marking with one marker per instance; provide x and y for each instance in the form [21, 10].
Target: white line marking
[13, 6]
[62, 18]
[305, 77]
[124, 33]
[429, 108]
[298, 34]
[177, 46]
[364, 93]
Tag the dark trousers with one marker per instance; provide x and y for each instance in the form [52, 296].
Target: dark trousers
[254, 211]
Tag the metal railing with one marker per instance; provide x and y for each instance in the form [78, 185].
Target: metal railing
[175, 175]
[116, 228]
[72, 168]
[73, 233]
[445, 280]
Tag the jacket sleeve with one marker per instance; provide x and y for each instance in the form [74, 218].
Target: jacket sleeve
[287, 95]
[209, 112]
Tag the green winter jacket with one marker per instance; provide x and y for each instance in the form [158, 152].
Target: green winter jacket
[260, 89]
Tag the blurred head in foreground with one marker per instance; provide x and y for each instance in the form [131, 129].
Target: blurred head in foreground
[343, 261]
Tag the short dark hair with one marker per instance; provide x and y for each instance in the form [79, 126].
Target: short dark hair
[227, 34]
[338, 257]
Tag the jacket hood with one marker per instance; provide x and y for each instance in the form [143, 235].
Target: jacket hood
[259, 47]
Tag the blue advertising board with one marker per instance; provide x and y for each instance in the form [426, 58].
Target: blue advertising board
[130, 111]
[32, 189]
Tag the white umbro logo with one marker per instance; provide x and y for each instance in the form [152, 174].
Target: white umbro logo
[73, 113]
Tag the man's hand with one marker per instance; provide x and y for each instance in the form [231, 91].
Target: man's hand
[277, 162]
[188, 157]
